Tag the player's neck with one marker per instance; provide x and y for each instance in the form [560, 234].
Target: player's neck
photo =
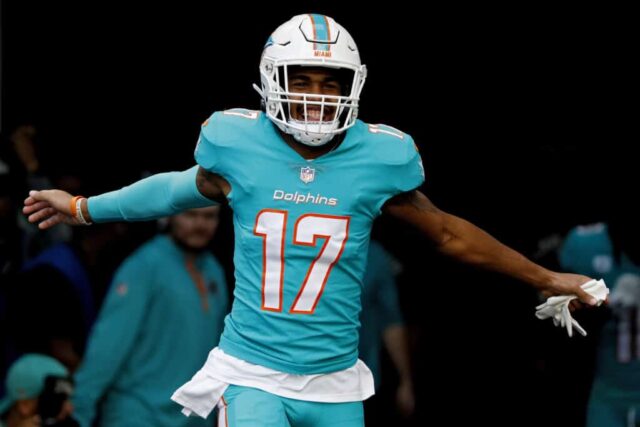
[309, 152]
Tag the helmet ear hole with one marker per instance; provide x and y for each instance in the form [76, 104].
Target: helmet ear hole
[282, 76]
[345, 78]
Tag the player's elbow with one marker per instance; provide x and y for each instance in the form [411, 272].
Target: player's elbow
[452, 242]
[460, 250]
[444, 236]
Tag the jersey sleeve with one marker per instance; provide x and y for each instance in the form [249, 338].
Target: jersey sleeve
[397, 165]
[226, 138]
[409, 174]
[207, 153]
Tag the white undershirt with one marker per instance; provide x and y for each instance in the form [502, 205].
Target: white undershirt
[201, 394]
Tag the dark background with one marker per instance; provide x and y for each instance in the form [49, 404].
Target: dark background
[521, 115]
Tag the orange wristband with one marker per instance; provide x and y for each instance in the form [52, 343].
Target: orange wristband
[74, 212]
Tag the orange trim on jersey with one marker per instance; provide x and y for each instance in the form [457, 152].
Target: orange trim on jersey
[226, 412]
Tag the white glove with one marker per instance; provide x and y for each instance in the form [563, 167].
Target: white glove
[558, 307]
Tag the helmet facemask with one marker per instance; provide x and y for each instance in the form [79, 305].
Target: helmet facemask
[311, 118]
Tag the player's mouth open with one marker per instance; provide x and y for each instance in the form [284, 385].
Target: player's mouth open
[314, 111]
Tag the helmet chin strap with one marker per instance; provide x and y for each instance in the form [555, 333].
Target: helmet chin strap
[314, 142]
[312, 136]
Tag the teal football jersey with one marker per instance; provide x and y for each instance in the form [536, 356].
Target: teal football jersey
[588, 250]
[301, 235]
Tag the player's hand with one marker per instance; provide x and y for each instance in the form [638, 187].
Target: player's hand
[49, 208]
[570, 284]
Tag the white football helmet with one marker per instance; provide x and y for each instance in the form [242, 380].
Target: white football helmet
[314, 41]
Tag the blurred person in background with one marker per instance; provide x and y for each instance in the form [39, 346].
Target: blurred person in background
[28, 170]
[611, 250]
[38, 392]
[382, 324]
[10, 235]
[163, 313]
[51, 304]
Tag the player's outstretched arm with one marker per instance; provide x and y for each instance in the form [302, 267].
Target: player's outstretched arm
[154, 197]
[468, 243]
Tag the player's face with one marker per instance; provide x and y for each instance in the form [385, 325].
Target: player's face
[194, 229]
[315, 80]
